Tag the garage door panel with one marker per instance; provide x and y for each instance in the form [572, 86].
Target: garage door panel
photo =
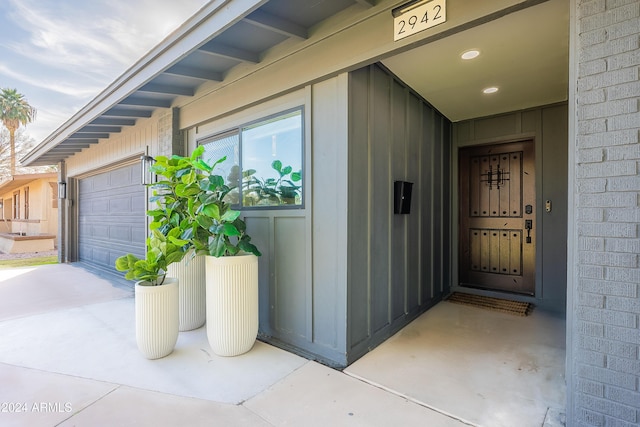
[102, 182]
[139, 234]
[120, 233]
[98, 232]
[120, 205]
[124, 205]
[123, 179]
[105, 233]
[111, 216]
[139, 204]
[99, 206]
[112, 192]
[118, 248]
[125, 234]
[100, 219]
[101, 255]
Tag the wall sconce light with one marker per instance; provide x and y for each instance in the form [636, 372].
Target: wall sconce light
[146, 163]
[62, 190]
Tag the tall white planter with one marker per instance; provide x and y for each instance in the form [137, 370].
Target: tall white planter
[157, 318]
[190, 272]
[232, 303]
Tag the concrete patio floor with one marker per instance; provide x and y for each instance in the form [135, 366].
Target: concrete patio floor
[68, 358]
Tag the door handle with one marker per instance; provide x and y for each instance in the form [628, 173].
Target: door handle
[528, 225]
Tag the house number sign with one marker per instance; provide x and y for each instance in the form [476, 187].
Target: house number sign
[417, 16]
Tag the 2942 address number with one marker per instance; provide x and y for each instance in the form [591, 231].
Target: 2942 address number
[419, 19]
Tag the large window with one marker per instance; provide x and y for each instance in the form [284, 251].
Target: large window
[263, 161]
[226, 145]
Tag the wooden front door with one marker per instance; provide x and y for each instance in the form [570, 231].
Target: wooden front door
[497, 217]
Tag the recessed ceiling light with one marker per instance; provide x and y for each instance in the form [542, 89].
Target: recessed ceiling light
[492, 89]
[470, 54]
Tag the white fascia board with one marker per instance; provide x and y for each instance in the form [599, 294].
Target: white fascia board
[209, 21]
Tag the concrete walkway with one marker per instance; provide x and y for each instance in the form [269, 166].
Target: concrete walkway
[68, 358]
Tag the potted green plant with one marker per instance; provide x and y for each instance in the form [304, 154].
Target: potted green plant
[176, 181]
[156, 295]
[286, 185]
[220, 234]
[282, 190]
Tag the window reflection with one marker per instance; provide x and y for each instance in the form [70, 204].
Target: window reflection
[270, 155]
[272, 161]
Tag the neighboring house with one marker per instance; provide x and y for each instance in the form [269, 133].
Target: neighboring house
[29, 214]
[530, 193]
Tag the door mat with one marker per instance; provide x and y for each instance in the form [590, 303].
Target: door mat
[495, 304]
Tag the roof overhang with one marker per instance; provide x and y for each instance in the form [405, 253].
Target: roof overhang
[17, 181]
[253, 40]
[220, 36]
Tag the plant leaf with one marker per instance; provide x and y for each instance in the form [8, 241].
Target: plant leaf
[187, 190]
[197, 152]
[246, 246]
[217, 246]
[211, 210]
[122, 263]
[230, 215]
[204, 221]
[202, 165]
[220, 160]
[174, 257]
[230, 230]
[178, 242]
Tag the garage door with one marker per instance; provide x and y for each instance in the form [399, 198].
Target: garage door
[111, 216]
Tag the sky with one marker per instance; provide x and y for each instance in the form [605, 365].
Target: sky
[60, 54]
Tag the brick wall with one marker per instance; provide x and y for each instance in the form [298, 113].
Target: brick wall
[604, 362]
[170, 138]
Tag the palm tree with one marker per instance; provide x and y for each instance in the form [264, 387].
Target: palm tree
[14, 111]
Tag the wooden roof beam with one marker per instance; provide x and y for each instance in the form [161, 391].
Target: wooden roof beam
[94, 128]
[145, 102]
[229, 52]
[166, 89]
[82, 135]
[196, 73]
[276, 24]
[121, 112]
[113, 121]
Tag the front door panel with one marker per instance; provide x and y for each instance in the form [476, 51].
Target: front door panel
[497, 217]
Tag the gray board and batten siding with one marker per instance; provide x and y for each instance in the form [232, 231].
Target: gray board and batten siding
[299, 309]
[398, 264]
[343, 273]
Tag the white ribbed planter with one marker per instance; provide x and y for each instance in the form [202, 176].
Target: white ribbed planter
[190, 272]
[232, 303]
[157, 318]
